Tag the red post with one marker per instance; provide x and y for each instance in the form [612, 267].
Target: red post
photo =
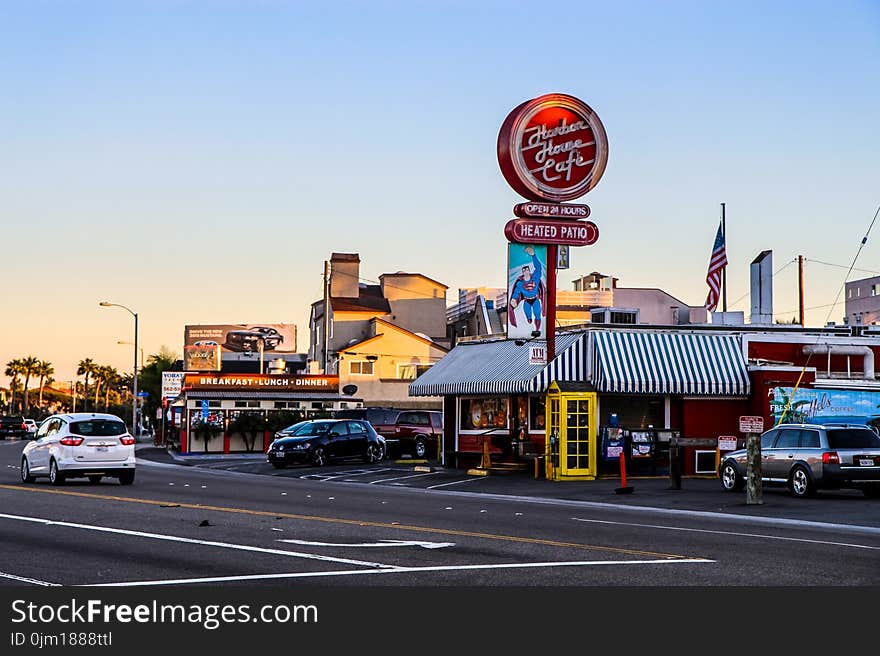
[265, 441]
[226, 439]
[551, 302]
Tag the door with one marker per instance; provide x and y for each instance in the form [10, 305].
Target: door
[338, 443]
[357, 438]
[777, 460]
[46, 435]
[576, 445]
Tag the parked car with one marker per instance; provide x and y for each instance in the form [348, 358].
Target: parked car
[809, 457]
[249, 340]
[31, 426]
[322, 440]
[417, 432]
[81, 445]
[13, 426]
[383, 420]
[272, 338]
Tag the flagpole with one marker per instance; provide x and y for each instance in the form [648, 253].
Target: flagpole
[724, 270]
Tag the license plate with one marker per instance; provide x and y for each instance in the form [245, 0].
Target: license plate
[866, 462]
[101, 448]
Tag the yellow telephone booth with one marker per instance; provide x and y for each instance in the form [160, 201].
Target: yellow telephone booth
[571, 434]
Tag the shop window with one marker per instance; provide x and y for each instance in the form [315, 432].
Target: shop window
[704, 462]
[360, 368]
[483, 414]
[633, 412]
[537, 419]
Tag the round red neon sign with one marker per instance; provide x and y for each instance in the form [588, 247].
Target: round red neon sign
[552, 148]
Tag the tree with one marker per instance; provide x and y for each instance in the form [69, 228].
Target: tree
[250, 425]
[14, 369]
[29, 364]
[86, 368]
[45, 371]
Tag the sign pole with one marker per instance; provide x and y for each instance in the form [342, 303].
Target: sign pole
[753, 470]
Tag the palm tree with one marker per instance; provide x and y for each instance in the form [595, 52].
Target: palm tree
[86, 368]
[30, 366]
[110, 376]
[45, 371]
[14, 369]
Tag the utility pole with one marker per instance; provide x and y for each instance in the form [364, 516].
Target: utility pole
[801, 289]
[326, 330]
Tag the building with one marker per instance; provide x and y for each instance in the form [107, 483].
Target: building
[476, 313]
[863, 302]
[377, 337]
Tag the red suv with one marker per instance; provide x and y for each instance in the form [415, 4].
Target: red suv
[417, 432]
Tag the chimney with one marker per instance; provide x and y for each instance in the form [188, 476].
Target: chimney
[344, 275]
[762, 288]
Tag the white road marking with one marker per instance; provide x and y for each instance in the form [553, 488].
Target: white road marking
[464, 480]
[204, 543]
[742, 535]
[400, 478]
[381, 543]
[402, 570]
[24, 579]
[356, 472]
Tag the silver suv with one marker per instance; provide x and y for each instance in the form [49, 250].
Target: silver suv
[807, 457]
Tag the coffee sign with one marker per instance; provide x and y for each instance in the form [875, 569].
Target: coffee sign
[552, 148]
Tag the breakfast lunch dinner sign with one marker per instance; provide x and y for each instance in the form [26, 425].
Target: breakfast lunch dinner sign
[551, 149]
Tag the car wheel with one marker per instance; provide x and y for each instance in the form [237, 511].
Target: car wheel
[26, 472]
[55, 476]
[279, 465]
[319, 459]
[730, 478]
[94, 480]
[420, 448]
[800, 483]
[373, 454]
[126, 478]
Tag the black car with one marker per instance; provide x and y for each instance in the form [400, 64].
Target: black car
[247, 341]
[13, 426]
[322, 440]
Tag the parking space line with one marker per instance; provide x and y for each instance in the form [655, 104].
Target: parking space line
[25, 579]
[357, 472]
[400, 478]
[205, 543]
[464, 480]
[402, 570]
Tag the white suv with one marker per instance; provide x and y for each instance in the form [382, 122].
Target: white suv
[83, 444]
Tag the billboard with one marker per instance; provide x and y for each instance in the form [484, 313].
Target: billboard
[526, 291]
[204, 346]
[817, 406]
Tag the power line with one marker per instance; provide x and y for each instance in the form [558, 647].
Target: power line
[842, 266]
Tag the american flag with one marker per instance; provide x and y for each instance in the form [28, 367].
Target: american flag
[716, 263]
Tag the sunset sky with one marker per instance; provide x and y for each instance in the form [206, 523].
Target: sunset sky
[197, 161]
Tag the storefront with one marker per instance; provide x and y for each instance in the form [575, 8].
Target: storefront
[234, 413]
[606, 392]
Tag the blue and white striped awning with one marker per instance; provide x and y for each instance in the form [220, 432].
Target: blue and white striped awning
[496, 367]
[636, 362]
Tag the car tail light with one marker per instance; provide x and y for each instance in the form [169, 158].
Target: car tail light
[127, 440]
[24, 427]
[830, 458]
[71, 441]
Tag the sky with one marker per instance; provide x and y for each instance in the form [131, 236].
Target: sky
[198, 161]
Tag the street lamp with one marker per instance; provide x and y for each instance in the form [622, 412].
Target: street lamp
[134, 385]
[140, 349]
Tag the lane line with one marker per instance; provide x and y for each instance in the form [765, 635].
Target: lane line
[742, 535]
[204, 543]
[24, 579]
[347, 522]
[399, 570]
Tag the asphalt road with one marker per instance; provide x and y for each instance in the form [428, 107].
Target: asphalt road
[239, 522]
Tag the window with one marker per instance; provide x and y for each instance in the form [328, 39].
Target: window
[809, 439]
[788, 439]
[623, 317]
[411, 371]
[768, 438]
[483, 414]
[357, 427]
[536, 414]
[97, 427]
[248, 404]
[340, 429]
[360, 368]
[853, 438]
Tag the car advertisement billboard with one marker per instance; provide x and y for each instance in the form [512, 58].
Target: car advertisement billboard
[205, 346]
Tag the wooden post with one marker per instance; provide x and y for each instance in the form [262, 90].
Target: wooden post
[801, 289]
[551, 303]
[753, 470]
